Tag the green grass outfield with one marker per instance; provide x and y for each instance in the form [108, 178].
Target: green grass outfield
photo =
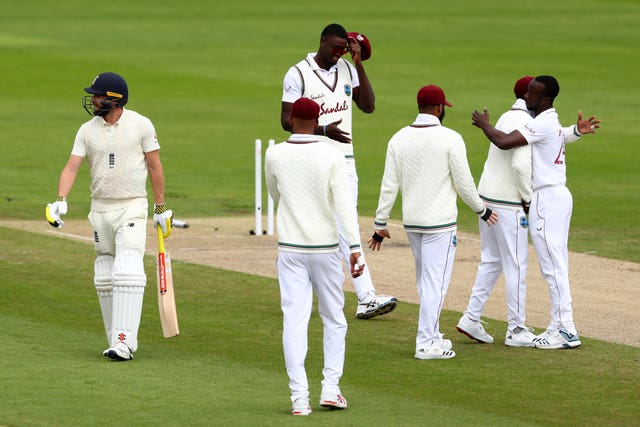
[209, 75]
[227, 367]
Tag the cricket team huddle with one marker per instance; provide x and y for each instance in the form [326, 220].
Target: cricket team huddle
[312, 178]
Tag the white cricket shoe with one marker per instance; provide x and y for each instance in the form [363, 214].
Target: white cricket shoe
[546, 334]
[376, 305]
[301, 406]
[333, 400]
[445, 344]
[520, 337]
[560, 339]
[435, 352]
[120, 351]
[474, 330]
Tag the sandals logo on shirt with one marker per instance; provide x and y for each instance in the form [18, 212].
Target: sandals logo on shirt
[324, 109]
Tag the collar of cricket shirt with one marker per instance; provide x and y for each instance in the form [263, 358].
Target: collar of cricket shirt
[425, 120]
[302, 138]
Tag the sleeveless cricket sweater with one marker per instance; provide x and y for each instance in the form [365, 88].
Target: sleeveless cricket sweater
[334, 95]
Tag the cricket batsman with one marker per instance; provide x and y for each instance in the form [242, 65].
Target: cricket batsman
[121, 148]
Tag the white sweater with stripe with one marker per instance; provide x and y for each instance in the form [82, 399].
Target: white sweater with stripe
[308, 181]
[427, 163]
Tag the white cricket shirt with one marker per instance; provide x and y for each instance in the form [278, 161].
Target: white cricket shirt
[332, 89]
[116, 154]
[546, 137]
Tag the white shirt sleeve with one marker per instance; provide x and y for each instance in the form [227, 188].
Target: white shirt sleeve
[148, 135]
[570, 134]
[292, 86]
[534, 131]
[79, 149]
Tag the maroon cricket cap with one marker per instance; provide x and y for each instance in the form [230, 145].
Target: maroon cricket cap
[521, 86]
[305, 109]
[432, 95]
[365, 45]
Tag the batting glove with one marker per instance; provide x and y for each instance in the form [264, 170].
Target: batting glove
[162, 217]
[55, 210]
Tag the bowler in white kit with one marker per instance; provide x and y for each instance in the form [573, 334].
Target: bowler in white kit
[551, 203]
[505, 186]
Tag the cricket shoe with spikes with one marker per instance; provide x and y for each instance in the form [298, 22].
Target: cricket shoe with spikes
[333, 400]
[474, 330]
[301, 406]
[376, 305]
[120, 352]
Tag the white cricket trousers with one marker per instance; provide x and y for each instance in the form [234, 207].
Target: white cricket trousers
[549, 220]
[363, 284]
[300, 274]
[503, 248]
[433, 255]
[120, 238]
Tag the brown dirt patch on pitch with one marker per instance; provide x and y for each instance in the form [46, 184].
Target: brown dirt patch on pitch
[605, 292]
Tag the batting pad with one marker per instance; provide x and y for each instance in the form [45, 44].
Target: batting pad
[104, 287]
[129, 281]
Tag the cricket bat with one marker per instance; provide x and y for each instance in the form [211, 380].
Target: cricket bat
[166, 298]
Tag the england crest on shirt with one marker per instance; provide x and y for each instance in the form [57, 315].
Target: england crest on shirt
[347, 90]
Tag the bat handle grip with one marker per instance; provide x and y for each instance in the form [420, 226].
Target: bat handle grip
[160, 240]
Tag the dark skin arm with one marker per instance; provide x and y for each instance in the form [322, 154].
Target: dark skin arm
[500, 139]
[515, 139]
[363, 95]
[331, 130]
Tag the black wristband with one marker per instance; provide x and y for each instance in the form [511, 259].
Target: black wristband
[378, 238]
[487, 214]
